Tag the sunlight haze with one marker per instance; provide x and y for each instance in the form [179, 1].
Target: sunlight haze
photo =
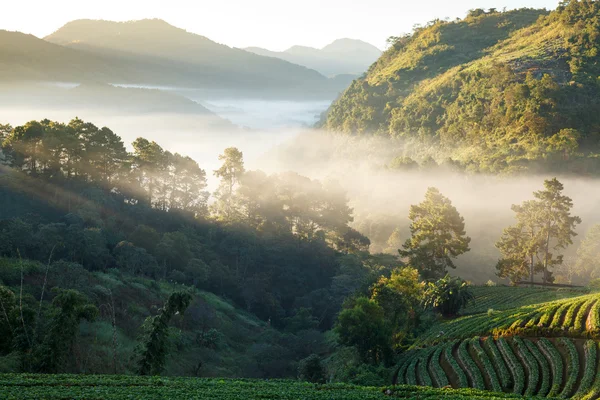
[239, 23]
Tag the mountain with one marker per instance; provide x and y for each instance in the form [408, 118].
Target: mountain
[496, 91]
[342, 57]
[153, 53]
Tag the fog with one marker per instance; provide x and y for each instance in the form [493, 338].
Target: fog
[276, 139]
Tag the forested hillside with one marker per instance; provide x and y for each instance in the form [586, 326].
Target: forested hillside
[495, 91]
[86, 224]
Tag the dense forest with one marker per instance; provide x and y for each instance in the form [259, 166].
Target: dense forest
[493, 92]
[78, 211]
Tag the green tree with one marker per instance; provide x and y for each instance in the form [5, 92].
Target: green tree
[362, 324]
[153, 342]
[587, 263]
[230, 173]
[520, 244]
[310, 369]
[70, 308]
[448, 295]
[437, 235]
[8, 322]
[400, 296]
[557, 225]
[149, 162]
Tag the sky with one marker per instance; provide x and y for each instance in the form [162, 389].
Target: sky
[272, 24]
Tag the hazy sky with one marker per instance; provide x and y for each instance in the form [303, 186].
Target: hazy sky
[274, 24]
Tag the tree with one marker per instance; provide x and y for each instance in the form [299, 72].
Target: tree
[587, 263]
[515, 263]
[556, 223]
[8, 322]
[543, 224]
[400, 296]
[448, 295]
[153, 342]
[520, 244]
[310, 369]
[362, 324]
[149, 162]
[70, 308]
[437, 235]
[230, 173]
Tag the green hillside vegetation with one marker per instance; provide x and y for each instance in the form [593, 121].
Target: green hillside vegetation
[529, 367]
[126, 387]
[496, 91]
[101, 237]
[576, 317]
[506, 297]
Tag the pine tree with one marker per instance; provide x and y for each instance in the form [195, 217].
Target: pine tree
[437, 236]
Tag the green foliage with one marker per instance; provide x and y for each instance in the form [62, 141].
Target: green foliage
[587, 264]
[153, 345]
[310, 369]
[505, 297]
[448, 295]
[471, 368]
[70, 307]
[400, 296]
[572, 368]
[541, 223]
[437, 235]
[531, 320]
[499, 92]
[123, 387]
[8, 320]
[362, 324]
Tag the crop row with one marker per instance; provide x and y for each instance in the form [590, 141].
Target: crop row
[574, 317]
[556, 365]
[502, 298]
[54, 387]
[572, 367]
[528, 367]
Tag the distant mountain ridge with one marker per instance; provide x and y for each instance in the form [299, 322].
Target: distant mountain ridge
[153, 53]
[343, 56]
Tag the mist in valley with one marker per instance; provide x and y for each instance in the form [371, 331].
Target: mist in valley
[275, 137]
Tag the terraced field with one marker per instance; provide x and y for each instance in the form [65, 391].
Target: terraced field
[577, 317]
[556, 367]
[76, 387]
[506, 297]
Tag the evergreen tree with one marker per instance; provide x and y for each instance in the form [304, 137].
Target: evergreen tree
[153, 342]
[543, 224]
[230, 173]
[437, 235]
[557, 224]
[587, 263]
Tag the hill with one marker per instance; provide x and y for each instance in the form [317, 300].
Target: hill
[152, 53]
[495, 91]
[549, 349]
[341, 57]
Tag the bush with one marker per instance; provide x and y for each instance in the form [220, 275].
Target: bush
[310, 369]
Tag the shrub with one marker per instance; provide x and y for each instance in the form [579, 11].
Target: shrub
[310, 369]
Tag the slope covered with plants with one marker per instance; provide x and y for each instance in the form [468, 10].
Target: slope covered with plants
[496, 91]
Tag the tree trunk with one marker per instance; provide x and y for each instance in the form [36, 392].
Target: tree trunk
[546, 257]
[531, 270]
